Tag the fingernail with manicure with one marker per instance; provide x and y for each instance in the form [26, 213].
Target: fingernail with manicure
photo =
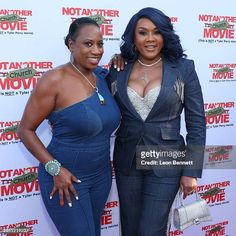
[76, 197]
[115, 66]
[50, 197]
[70, 204]
[79, 181]
[118, 69]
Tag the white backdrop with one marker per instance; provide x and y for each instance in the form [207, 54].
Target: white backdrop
[33, 38]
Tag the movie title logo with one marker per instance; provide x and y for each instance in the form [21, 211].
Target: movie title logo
[15, 22]
[107, 219]
[222, 72]
[216, 156]
[215, 193]
[24, 228]
[8, 132]
[19, 184]
[218, 114]
[104, 17]
[217, 29]
[19, 78]
[216, 229]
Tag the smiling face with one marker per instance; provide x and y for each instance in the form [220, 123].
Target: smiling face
[87, 48]
[148, 41]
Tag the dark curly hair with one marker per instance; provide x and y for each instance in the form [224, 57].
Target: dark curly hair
[172, 49]
[76, 26]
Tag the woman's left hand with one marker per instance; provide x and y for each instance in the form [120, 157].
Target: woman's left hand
[188, 185]
[118, 62]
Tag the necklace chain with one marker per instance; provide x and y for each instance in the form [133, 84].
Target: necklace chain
[100, 97]
[145, 76]
[149, 65]
[94, 87]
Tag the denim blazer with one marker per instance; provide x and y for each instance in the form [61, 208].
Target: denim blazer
[180, 91]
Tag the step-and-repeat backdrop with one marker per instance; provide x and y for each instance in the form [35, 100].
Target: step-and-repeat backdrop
[31, 42]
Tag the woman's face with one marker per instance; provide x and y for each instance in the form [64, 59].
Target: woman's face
[148, 40]
[87, 49]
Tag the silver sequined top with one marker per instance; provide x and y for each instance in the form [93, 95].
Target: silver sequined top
[143, 105]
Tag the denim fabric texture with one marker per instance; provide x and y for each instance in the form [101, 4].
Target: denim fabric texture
[81, 143]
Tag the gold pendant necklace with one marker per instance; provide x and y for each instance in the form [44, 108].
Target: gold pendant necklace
[100, 97]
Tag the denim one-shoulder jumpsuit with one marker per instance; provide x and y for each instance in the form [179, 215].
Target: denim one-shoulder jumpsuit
[81, 143]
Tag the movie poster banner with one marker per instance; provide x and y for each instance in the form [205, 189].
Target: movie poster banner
[32, 41]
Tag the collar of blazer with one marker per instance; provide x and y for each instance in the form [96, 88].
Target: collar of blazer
[170, 75]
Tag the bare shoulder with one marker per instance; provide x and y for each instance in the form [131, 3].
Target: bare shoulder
[54, 75]
[51, 79]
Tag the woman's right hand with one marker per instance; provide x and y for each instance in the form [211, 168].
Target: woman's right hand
[63, 183]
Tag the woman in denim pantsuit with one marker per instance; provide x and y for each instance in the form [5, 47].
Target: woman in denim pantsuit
[152, 91]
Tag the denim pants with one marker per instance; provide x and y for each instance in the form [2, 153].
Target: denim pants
[145, 201]
[92, 166]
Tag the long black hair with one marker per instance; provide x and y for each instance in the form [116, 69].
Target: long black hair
[172, 49]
